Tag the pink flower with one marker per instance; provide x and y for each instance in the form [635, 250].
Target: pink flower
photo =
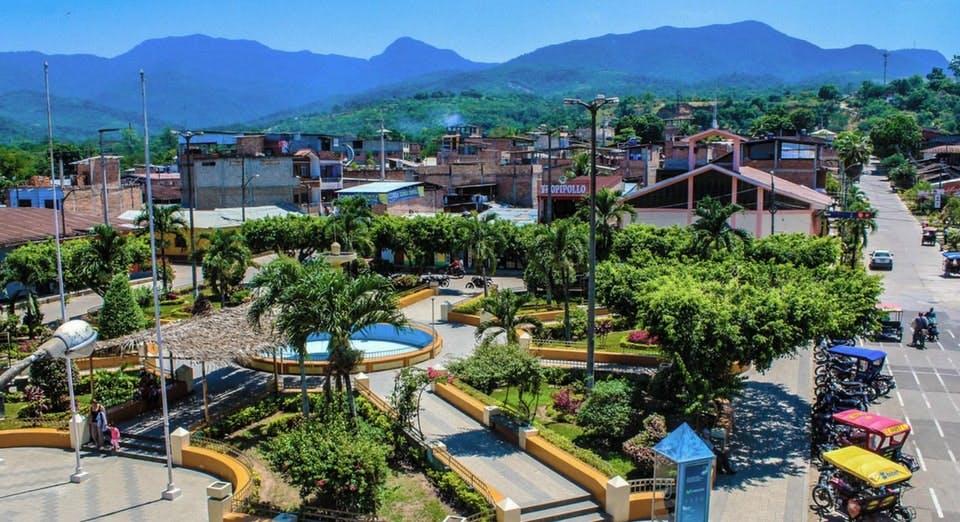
[321, 483]
[352, 487]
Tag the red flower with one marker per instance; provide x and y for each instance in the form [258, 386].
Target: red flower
[321, 483]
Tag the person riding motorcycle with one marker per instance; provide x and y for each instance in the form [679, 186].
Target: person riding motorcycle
[933, 333]
[920, 325]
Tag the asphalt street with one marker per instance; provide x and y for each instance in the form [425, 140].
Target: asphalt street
[928, 381]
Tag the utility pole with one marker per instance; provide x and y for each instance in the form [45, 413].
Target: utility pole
[192, 201]
[383, 152]
[885, 55]
[103, 176]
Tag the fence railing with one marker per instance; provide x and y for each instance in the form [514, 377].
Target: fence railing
[440, 454]
[242, 494]
[334, 515]
[14, 423]
[666, 485]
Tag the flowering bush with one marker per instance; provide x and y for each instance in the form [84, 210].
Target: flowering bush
[565, 403]
[640, 447]
[642, 337]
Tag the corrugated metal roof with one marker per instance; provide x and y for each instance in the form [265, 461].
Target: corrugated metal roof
[221, 217]
[21, 225]
[379, 187]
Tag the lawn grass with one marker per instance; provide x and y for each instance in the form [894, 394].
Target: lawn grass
[408, 497]
[606, 343]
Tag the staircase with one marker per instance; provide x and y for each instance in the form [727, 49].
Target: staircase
[143, 447]
[576, 509]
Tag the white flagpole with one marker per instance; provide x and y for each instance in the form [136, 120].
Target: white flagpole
[172, 491]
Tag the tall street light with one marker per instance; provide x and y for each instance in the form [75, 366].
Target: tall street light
[172, 492]
[593, 106]
[103, 175]
[383, 152]
[243, 189]
[192, 187]
[550, 131]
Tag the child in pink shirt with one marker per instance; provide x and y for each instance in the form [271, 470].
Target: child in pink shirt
[115, 437]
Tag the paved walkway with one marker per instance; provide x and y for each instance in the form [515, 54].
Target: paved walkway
[36, 486]
[770, 448]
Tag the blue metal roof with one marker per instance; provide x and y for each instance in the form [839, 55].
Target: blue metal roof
[951, 255]
[859, 352]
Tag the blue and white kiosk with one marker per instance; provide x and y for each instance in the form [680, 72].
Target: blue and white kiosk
[694, 461]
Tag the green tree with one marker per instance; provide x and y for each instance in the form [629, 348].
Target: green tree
[167, 222]
[854, 149]
[351, 224]
[610, 212]
[103, 256]
[33, 266]
[854, 233]
[120, 314]
[505, 307]
[478, 238]
[713, 226]
[291, 235]
[897, 133]
[555, 256]
[225, 261]
[579, 166]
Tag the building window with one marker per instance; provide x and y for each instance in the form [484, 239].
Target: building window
[179, 241]
[24, 203]
[48, 203]
[797, 151]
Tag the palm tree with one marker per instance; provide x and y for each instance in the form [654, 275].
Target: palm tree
[580, 166]
[104, 256]
[504, 305]
[610, 207]
[480, 241]
[854, 232]
[269, 284]
[713, 228]
[167, 221]
[225, 261]
[558, 250]
[351, 223]
[315, 298]
[854, 149]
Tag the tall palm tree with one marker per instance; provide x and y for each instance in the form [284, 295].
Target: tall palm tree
[855, 232]
[504, 305]
[580, 166]
[610, 211]
[558, 251]
[713, 226]
[225, 261]
[268, 285]
[854, 149]
[103, 257]
[479, 239]
[167, 221]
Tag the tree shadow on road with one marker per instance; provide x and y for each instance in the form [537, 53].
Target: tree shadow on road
[772, 436]
[478, 442]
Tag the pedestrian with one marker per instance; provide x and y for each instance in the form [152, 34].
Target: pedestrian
[115, 437]
[721, 452]
[101, 425]
[96, 435]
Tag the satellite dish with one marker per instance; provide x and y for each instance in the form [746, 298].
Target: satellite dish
[350, 155]
[562, 180]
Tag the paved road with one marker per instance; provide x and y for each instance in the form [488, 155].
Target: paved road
[928, 381]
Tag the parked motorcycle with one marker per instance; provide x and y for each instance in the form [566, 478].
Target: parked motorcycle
[479, 282]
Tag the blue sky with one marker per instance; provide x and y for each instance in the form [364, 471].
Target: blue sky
[480, 30]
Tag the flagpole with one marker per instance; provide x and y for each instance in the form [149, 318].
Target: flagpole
[172, 492]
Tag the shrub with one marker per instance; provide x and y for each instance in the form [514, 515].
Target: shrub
[340, 464]
[112, 388]
[243, 417]
[120, 314]
[565, 403]
[607, 412]
[38, 402]
[50, 375]
[143, 295]
[642, 337]
[640, 446]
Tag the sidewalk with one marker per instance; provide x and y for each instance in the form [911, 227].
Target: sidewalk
[770, 448]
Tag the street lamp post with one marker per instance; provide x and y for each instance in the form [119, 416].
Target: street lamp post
[103, 176]
[243, 188]
[593, 106]
[773, 205]
[187, 135]
[383, 152]
[550, 131]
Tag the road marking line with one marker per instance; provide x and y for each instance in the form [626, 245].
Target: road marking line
[923, 465]
[939, 429]
[900, 399]
[925, 400]
[907, 420]
[952, 457]
[915, 378]
[951, 334]
[941, 346]
[936, 503]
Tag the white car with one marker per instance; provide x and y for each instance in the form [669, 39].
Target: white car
[881, 259]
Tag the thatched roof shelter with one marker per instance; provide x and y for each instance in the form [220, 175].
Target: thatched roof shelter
[217, 337]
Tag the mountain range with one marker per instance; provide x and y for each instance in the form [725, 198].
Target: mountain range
[199, 82]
